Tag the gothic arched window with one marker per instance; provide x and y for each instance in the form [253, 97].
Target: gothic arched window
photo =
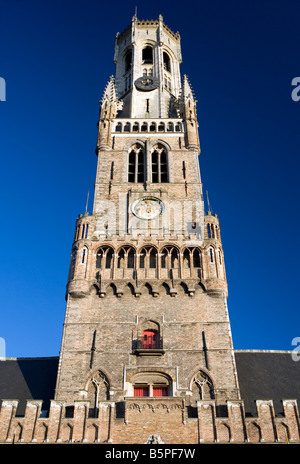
[97, 391]
[136, 164]
[84, 255]
[169, 258]
[104, 258]
[202, 388]
[148, 257]
[167, 62]
[126, 258]
[159, 164]
[147, 55]
[196, 258]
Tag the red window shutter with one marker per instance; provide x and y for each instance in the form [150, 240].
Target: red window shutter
[160, 391]
[141, 391]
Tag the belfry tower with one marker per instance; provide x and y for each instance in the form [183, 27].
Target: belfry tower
[146, 322]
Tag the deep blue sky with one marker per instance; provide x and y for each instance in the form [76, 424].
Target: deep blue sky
[240, 57]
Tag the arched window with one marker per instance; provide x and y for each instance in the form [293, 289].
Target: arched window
[196, 258]
[186, 259]
[97, 391]
[208, 231]
[159, 164]
[126, 258]
[136, 164]
[169, 258]
[148, 258]
[167, 62]
[147, 55]
[104, 258]
[84, 255]
[153, 384]
[202, 386]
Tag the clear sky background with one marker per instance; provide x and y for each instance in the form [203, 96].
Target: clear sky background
[240, 56]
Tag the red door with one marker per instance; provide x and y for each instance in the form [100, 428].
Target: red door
[141, 391]
[150, 341]
[160, 391]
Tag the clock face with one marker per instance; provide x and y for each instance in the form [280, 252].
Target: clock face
[147, 208]
[146, 83]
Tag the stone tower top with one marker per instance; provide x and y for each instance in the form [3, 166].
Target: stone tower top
[147, 57]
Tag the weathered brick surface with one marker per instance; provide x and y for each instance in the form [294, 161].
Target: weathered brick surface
[166, 418]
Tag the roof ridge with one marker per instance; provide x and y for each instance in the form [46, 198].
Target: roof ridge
[263, 351]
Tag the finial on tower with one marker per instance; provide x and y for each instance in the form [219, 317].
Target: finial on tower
[208, 204]
[87, 201]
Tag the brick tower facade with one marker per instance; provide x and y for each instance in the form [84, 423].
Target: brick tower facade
[146, 297]
[146, 353]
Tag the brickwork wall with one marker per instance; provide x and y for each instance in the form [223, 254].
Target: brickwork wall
[166, 418]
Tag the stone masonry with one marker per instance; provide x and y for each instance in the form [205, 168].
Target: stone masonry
[147, 348]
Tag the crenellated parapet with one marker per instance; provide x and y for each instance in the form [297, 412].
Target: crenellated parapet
[137, 419]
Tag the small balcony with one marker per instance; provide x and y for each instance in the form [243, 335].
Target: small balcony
[148, 346]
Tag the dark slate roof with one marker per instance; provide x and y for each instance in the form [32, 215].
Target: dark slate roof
[28, 378]
[270, 375]
[262, 375]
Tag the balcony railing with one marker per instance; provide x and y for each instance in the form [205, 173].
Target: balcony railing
[144, 348]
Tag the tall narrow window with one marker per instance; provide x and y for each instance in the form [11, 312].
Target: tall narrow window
[128, 60]
[147, 55]
[164, 256]
[142, 260]
[196, 258]
[130, 259]
[136, 164]
[159, 164]
[186, 259]
[167, 62]
[152, 259]
[208, 231]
